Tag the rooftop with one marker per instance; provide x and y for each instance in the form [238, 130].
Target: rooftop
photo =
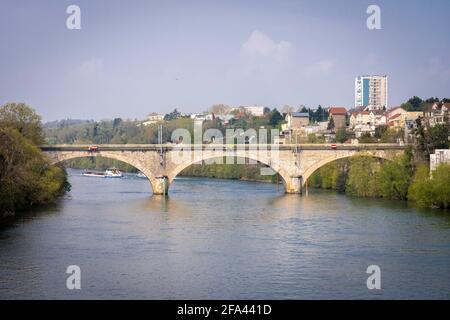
[300, 114]
[337, 110]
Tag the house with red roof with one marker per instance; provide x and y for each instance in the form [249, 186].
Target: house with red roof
[339, 116]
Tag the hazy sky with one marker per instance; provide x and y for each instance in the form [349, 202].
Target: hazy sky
[133, 57]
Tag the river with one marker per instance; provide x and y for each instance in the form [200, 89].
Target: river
[223, 239]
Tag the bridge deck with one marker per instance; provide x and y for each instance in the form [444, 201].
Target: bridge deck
[168, 147]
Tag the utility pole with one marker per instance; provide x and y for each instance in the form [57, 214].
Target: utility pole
[297, 162]
[160, 142]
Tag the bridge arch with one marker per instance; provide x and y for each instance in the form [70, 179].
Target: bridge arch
[285, 176]
[319, 164]
[61, 156]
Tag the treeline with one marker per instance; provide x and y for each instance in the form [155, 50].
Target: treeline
[26, 176]
[397, 179]
[315, 115]
[418, 104]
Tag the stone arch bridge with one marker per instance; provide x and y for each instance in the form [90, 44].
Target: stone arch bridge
[161, 163]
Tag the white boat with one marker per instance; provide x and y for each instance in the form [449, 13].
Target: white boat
[113, 173]
[141, 175]
[93, 174]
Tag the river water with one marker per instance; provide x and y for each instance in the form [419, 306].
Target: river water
[222, 239]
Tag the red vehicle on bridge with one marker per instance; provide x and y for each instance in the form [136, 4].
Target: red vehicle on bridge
[93, 148]
[333, 146]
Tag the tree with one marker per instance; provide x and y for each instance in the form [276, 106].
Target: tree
[366, 138]
[441, 186]
[388, 135]
[303, 109]
[420, 190]
[330, 124]
[331, 176]
[439, 137]
[24, 119]
[275, 117]
[26, 178]
[341, 135]
[380, 131]
[413, 104]
[117, 122]
[434, 191]
[432, 100]
[321, 114]
[427, 138]
[173, 115]
[362, 177]
[394, 177]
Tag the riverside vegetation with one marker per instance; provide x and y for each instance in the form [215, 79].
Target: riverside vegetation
[399, 179]
[26, 177]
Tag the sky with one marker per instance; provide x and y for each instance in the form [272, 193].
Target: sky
[131, 58]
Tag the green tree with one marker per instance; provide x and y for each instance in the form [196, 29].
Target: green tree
[303, 109]
[175, 114]
[420, 190]
[362, 177]
[24, 119]
[439, 137]
[341, 135]
[413, 104]
[366, 138]
[394, 177]
[432, 100]
[330, 124]
[434, 191]
[331, 176]
[428, 138]
[275, 117]
[441, 186]
[26, 177]
[320, 114]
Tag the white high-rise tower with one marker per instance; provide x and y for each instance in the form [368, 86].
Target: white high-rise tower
[371, 92]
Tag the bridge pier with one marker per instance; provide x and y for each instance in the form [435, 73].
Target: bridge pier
[160, 185]
[294, 185]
